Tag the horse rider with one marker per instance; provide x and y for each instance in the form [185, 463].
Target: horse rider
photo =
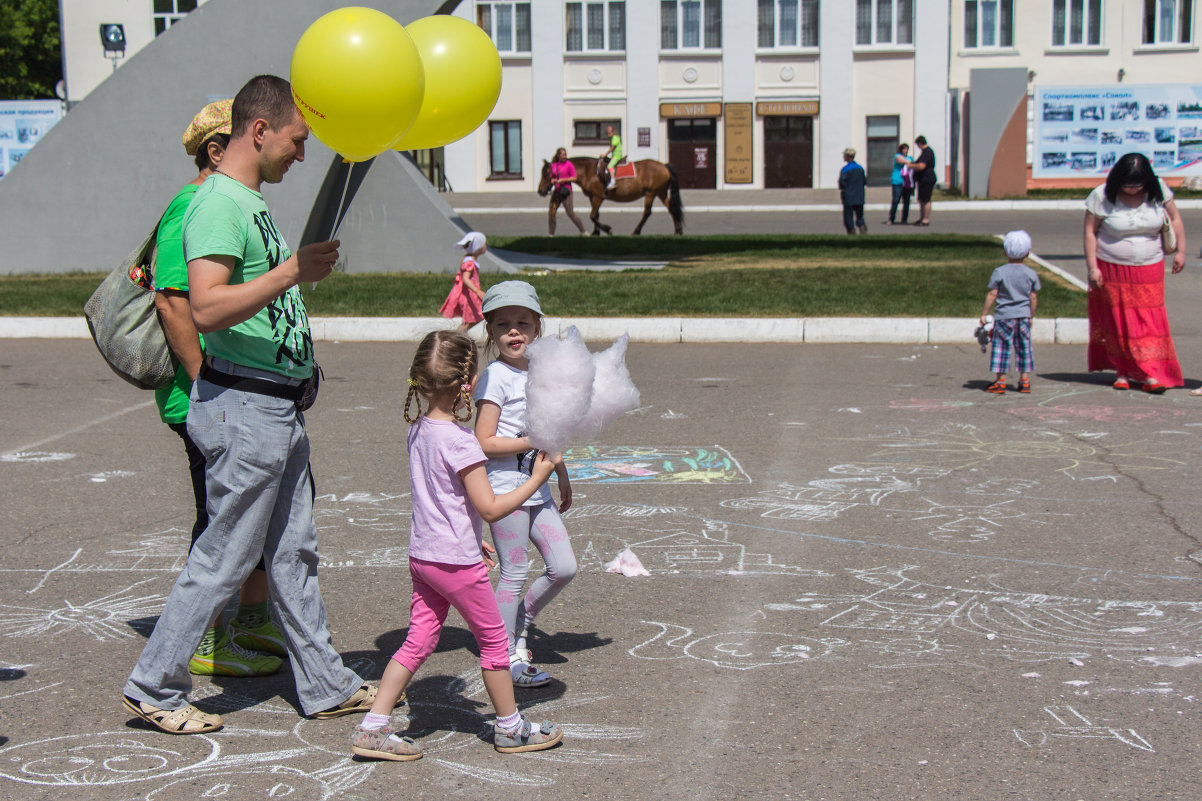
[614, 154]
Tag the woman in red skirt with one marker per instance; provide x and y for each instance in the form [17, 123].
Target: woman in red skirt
[1128, 326]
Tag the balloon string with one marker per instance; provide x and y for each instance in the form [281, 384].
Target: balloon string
[340, 215]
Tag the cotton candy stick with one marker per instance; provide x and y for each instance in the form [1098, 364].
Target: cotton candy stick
[559, 389]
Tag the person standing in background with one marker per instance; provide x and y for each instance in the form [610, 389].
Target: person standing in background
[925, 178]
[852, 180]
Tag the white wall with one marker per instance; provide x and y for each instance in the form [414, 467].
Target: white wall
[85, 63]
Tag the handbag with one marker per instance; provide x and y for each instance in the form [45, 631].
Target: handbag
[125, 325]
[562, 191]
[1168, 238]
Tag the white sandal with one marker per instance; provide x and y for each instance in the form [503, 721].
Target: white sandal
[525, 674]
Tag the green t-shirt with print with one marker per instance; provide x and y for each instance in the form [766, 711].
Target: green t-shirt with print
[171, 272]
[227, 218]
[615, 142]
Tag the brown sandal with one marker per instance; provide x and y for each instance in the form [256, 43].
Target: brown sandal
[185, 720]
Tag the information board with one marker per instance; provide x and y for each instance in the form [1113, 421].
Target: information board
[22, 124]
[1081, 131]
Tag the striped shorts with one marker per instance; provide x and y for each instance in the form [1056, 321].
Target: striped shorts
[1016, 333]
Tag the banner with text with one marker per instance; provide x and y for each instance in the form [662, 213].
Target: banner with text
[22, 124]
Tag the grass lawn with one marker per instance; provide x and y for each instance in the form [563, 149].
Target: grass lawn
[938, 275]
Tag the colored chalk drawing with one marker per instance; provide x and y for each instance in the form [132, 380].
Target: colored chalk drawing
[624, 464]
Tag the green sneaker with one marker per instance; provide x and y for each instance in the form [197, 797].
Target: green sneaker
[231, 659]
[265, 639]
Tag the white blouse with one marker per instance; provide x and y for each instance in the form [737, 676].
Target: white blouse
[1129, 235]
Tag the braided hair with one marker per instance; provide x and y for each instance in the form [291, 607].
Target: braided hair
[443, 367]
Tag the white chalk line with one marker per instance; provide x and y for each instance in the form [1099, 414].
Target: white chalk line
[78, 551]
[77, 429]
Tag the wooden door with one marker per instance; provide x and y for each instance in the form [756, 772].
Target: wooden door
[788, 152]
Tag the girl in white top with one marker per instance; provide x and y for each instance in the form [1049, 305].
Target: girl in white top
[512, 318]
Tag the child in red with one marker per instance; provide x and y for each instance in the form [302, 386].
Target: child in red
[466, 296]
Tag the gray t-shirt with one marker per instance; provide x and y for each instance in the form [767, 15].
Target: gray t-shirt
[1014, 284]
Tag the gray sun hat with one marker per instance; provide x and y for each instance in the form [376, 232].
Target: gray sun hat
[512, 293]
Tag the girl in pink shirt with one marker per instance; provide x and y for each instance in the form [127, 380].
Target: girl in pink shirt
[447, 558]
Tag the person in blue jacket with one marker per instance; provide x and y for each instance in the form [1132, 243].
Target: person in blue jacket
[852, 180]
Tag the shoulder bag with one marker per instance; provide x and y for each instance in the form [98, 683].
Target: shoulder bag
[125, 325]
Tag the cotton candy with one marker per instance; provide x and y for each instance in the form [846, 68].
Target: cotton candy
[559, 389]
[627, 564]
[614, 394]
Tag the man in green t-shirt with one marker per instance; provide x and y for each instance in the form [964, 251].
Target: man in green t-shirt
[243, 415]
[251, 645]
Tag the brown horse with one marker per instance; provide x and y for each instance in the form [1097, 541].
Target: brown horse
[652, 179]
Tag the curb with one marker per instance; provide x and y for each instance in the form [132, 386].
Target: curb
[686, 330]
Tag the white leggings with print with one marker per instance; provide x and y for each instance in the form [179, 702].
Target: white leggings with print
[511, 536]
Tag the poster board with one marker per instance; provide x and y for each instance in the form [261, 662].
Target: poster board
[1080, 131]
[22, 124]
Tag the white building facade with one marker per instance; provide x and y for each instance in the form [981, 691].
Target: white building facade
[736, 94]
[86, 59]
[1076, 43]
[740, 94]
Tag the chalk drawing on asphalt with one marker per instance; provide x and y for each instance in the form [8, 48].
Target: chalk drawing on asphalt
[105, 758]
[599, 464]
[710, 550]
[962, 446]
[35, 456]
[1018, 626]
[735, 650]
[103, 618]
[1068, 723]
[850, 485]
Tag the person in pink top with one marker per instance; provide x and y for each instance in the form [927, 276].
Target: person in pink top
[466, 295]
[448, 560]
[562, 174]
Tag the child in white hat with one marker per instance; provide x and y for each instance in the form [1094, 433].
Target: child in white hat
[466, 296]
[1014, 287]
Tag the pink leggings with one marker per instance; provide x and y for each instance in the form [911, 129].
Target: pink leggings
[436, 588]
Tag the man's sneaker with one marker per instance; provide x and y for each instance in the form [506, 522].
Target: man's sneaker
[231, 659]
[526, 737]
[266, 638]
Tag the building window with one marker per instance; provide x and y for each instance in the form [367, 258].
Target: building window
[690, 24]
[1076, 22]
[592, 132]
[168, 12]
[1168, 21]
[884, 22]
[989, 23]
[788, 23]
[596, 26]
[507, 24]
[505, 148]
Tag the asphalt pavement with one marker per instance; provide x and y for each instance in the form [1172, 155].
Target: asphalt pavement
[868, 579]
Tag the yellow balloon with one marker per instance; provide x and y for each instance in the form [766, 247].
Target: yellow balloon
[358, 80]
[463, 80]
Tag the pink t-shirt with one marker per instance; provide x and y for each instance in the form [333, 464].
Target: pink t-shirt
[445, 527]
